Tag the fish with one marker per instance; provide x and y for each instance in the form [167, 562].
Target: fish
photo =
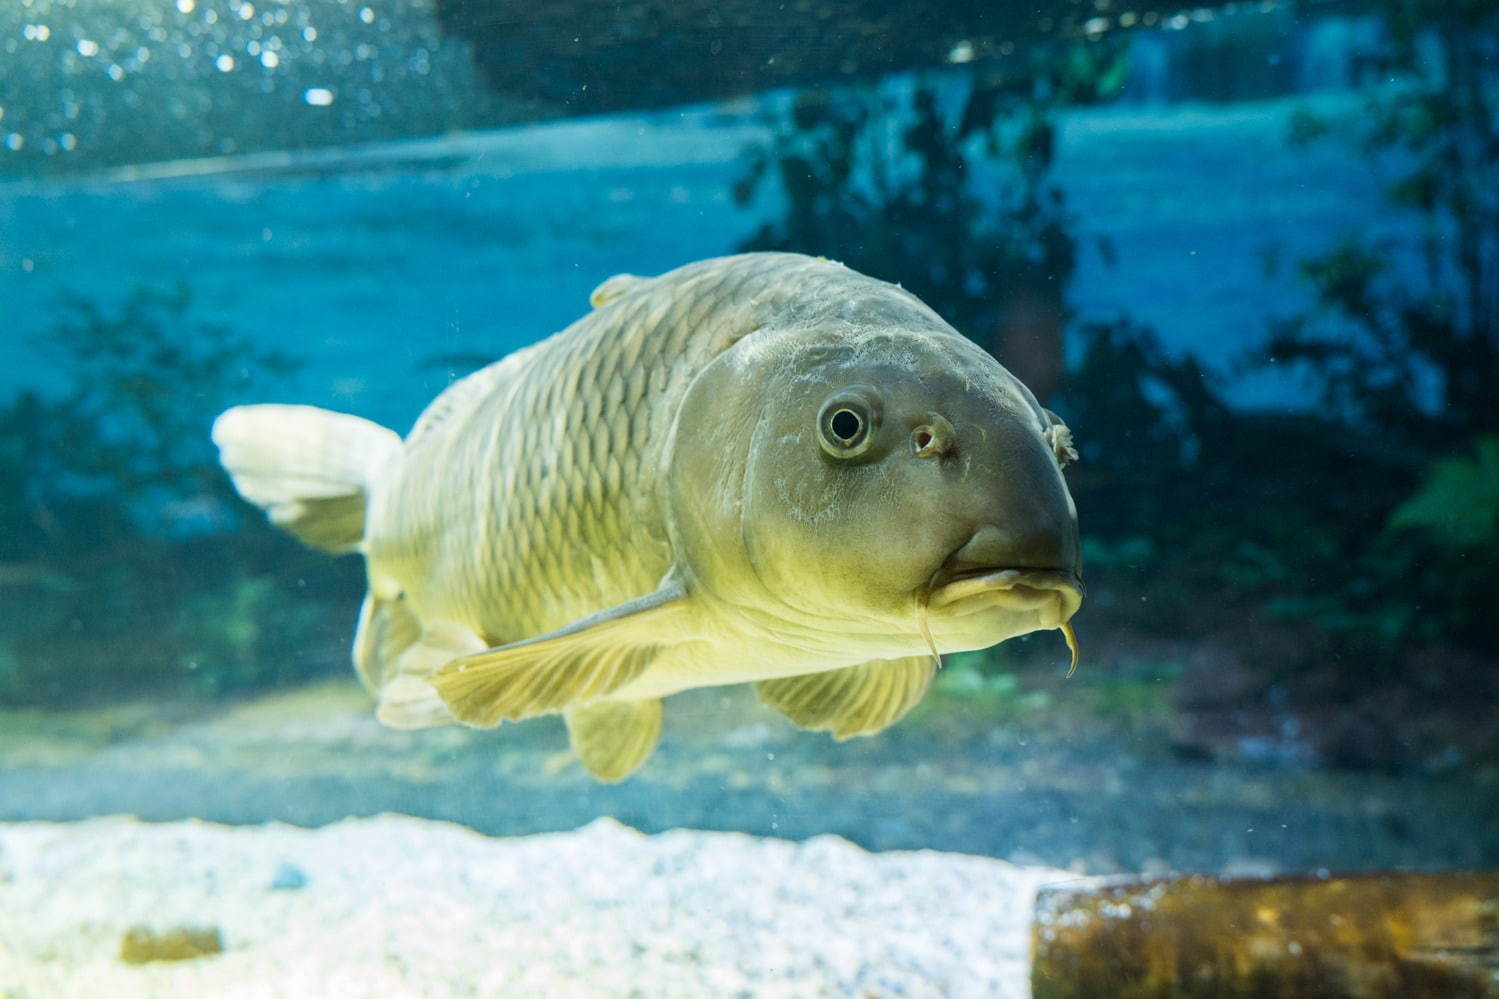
[764, 468]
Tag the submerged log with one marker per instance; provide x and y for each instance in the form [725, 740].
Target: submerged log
[1367, 936]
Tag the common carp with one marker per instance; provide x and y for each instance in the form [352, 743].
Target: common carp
[764, 468]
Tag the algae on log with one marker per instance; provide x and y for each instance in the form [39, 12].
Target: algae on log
[591, 56]
[1367, 936]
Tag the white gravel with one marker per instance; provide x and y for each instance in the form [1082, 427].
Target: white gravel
[396, 906]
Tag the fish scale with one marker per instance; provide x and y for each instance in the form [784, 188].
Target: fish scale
[666, 495]
[598, 400]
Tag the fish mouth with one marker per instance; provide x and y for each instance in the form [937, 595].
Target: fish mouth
[1054, 594]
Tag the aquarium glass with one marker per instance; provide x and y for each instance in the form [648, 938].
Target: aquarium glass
[1246, 253]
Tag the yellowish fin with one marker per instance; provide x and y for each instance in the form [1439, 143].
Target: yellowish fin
[854, 700]
[612, 288]
[407, 700]
[311, 470]
[386, 629]
[613, 738]
[583, 662]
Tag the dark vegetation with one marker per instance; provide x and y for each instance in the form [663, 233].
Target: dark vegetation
[1312, 584]
[125, 563]
[944, 187]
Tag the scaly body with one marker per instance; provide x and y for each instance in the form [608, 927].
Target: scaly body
[621, 511]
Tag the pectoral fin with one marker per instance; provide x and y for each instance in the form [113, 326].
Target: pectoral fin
[612, 738]
[854, 700]
[582, 662]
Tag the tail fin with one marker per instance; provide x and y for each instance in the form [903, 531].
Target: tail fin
[311, 470]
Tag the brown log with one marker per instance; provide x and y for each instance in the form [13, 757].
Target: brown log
[1366, 936]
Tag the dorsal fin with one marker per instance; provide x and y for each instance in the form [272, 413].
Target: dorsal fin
[614, 287]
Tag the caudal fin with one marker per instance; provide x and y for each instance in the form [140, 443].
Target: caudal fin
[310, 469]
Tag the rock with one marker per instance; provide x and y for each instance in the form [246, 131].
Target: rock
[142, 944]
[288, 877]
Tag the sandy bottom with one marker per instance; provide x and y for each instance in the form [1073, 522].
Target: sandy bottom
[397, 906]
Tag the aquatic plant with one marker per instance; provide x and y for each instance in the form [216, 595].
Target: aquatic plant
[114, 518]
[126, 441]
[942, 183]
[1402, 343]
[1405, 340]
[1458, 503]
[1198, 516]
[1197, 512]
[1402, 347]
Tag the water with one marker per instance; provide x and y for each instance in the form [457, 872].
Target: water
[524, 224]
[1286, 664]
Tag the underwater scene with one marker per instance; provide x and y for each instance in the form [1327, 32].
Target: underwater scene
[842, 498]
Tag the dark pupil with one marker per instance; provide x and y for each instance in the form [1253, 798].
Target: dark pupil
[846, 424]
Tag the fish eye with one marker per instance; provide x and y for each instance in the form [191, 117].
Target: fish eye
[846, 424]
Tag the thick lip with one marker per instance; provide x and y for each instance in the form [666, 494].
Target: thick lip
[1055, 593]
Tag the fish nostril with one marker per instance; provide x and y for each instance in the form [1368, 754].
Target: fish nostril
[933, 438]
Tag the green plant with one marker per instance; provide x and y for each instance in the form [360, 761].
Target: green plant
[105, 461]
[1458, 503]
[1402, 343]
[1436, 551]
[942, 183]
[1198, 518]
[120, 568]
[245, 634]
[1137, 697]
[1404, 340]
